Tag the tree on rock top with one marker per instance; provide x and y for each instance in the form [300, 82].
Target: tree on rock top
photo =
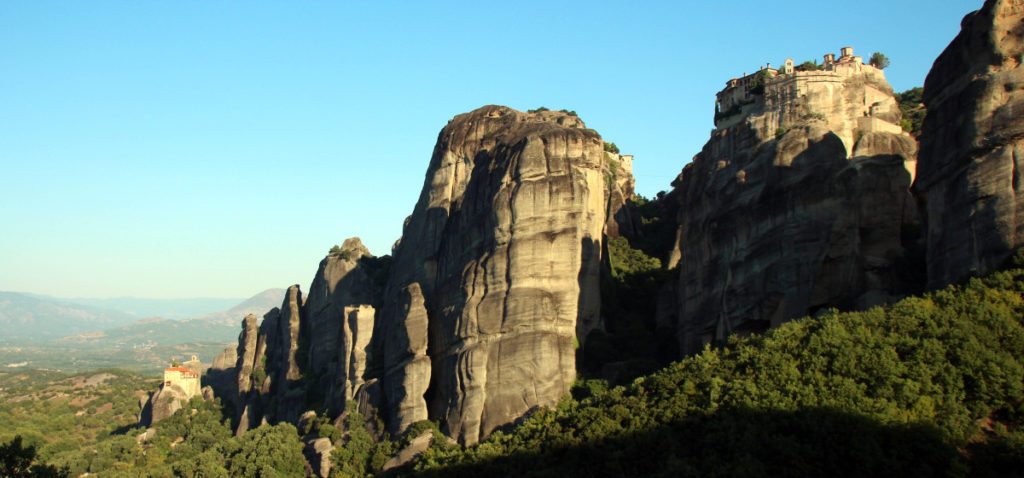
[879, 60]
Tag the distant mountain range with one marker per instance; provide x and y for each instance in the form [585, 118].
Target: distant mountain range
[175, 309]
[25, 317]
[214, 327]
[258, 304]
[119, 322]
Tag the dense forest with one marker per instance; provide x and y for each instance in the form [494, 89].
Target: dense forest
[930, 386]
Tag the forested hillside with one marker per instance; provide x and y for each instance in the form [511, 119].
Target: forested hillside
[931, 386]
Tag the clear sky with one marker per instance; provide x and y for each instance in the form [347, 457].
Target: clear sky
[219, 148]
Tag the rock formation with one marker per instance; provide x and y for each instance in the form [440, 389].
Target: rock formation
[268, 371]
[318, 454]
[179, 385]
[312, 354]
[416, 446]
[340, 313]
[621, 190]
[799, 201]
[497, 272]
[476, 319]
[222, 377]
[971, 144]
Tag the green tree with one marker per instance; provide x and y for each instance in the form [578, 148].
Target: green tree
[912, 106]
[809, 65]
[19, 461]
[268, 452]
[929, 386]
[352, 457]
[879, 60]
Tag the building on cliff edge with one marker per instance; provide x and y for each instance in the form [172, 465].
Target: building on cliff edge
[185, 377]
[785, 90]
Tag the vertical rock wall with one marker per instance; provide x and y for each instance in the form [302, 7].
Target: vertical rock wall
[800, 203]
[972, 142]
[343, 281]
[476, 319]
[497, 271]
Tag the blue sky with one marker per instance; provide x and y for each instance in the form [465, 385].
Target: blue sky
[219, 148]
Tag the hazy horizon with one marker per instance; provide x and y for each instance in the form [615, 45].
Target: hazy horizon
[213, 149]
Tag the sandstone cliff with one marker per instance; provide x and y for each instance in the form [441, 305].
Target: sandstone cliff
[475, 320]
[971, 144]
[308, 355]
[268, 371]
[621, 189]
[497, 272]
[799, 201]
[340, 311]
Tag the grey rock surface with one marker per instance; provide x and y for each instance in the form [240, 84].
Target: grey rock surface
[344, 282]
[801, 203]
[416, 446]
[497, 271]
[972, 142]
[318, 453]
[166, 401]
[475, 320]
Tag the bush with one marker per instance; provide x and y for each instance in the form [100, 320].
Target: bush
[269, 451]
[894, 391]
[626, 261]
[611, 148]
[336, 250]
[19, 461]
[912, 106]
[358, 455]
[879, 60]
[758, 82]
[809, 65]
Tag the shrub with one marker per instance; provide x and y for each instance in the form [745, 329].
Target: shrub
[912, 106]
[19, 461]
[894, 391]
[809, 65]
[879, 60]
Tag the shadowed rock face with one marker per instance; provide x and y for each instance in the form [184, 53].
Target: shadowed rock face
[268, 372]
[343, 283]
[310, 354]
[972, 142]
[796, 208]
[222, 378]
[497, 272]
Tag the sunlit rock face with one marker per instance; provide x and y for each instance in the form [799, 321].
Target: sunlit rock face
[497, 271]
[972, 142]
[799, 201]
[475, 319]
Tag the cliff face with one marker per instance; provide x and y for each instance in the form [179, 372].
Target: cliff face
[620, 190]
[267, 369]
[971, 144]
[799, 201]
[497, 271]
[340, 313]
[475, 320]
